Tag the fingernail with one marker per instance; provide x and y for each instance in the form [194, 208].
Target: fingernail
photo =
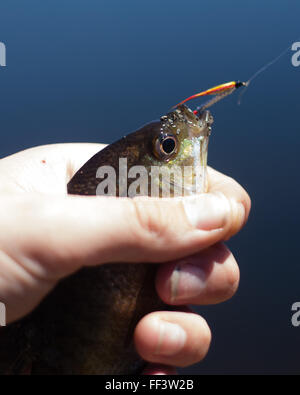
[207, 211]
[187, 281]
[172, 339]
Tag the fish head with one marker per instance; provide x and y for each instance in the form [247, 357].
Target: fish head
[164, 158]
[176, 147]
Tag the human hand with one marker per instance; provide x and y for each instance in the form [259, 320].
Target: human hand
[47, 235]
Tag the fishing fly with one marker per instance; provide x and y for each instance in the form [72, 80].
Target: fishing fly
[218, 92]
[221, 91]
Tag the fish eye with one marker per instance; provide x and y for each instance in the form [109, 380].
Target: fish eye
[166, 146]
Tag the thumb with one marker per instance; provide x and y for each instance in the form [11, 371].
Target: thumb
[58, 235]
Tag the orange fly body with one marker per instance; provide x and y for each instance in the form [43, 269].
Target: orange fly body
[219, 90]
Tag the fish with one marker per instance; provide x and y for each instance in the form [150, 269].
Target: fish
[86, 324]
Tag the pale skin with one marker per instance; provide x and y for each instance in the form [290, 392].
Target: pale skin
[47, 235]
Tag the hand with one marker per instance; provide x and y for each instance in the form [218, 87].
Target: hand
[47, 235]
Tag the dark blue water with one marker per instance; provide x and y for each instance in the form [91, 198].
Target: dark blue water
[94, 70]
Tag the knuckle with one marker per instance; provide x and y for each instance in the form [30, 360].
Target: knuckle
[151, 224]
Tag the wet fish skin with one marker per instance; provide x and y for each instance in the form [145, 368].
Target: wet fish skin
[85, 325]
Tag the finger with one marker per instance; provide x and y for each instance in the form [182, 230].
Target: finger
[209, 277]
[156, 369]
[172, 338]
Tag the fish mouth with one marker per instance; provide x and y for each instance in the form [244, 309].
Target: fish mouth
[200, 150]
[198, 127]
[199, 133]
[198, 124]
[205, 120]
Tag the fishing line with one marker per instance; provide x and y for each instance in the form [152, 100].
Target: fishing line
[262, 69]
